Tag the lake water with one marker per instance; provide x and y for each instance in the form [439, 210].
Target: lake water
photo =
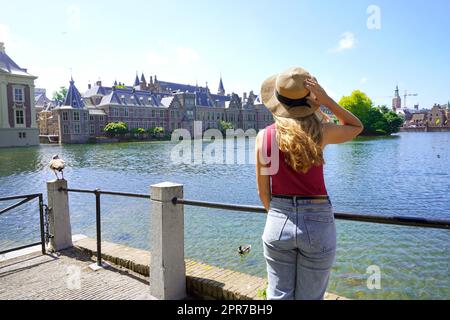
[406, 174]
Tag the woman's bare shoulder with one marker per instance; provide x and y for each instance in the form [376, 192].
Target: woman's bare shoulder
[259, 137]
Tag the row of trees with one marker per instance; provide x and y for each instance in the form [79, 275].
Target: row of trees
[120, 129]
[376, 120]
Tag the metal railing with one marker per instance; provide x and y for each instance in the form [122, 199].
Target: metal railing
[371, 218]
[98, 225]
[27, 198]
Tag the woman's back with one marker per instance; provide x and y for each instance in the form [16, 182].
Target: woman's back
[287, 181]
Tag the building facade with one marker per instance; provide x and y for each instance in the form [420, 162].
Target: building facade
[437, 117]
[17, 105]
[151, 104]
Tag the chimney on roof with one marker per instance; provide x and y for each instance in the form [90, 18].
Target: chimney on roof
[245, 96]
[99, 83]
[2, 47]
[89, 85]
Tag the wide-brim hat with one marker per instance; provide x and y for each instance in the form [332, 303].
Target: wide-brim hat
[285, 95]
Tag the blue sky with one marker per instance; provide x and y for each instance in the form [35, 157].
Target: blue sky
[245, 41]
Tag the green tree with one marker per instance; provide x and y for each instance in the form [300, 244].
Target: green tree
[60, 95]
[156, 132]
[116, 129]
[138, 132]
[224, 126]
[376, 121]
[394, 121]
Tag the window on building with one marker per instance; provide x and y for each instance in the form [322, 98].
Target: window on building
[91, 117]
[92, 129]
[153, 113]
[76, 116]
[19, 117]
[85, 116]
[65, 116]
[101, 118]
[76, 128]
[65, 129]
[126, 112]
[18, 95]
[161, 114]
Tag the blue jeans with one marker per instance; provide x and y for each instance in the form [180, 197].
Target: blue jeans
[299, 243]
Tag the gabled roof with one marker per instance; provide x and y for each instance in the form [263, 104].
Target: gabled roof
[9, 66]
[167, 101]
[171, 86]
[131, 97]
[97, 91]
[73, 97]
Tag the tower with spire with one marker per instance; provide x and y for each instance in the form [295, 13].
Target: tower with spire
[221, 90]
[397, 100]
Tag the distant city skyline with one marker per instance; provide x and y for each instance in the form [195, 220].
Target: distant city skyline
[348, 45]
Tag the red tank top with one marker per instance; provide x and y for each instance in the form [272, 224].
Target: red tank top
[286, 181]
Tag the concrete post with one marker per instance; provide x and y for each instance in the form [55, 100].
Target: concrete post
[59, 218]
[167, 268]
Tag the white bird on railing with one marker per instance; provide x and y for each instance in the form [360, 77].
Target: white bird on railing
[57, 165]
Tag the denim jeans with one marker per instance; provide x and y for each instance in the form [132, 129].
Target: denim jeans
[299, 244]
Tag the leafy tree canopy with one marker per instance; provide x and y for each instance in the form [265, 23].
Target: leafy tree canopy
[60, 95]
[376, 120]
[116, 128]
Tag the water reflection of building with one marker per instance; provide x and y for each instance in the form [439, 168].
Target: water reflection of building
[17, 112]
[148, 105]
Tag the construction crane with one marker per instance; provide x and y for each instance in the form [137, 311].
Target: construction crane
[404, 97]
[408, 95]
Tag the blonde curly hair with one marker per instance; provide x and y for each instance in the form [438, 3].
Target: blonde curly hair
[300, 140]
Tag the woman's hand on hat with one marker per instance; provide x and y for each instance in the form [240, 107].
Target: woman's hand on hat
[318, 94]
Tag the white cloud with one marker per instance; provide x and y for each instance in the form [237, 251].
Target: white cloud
[186, 56]
[346, 42]
[364, 80]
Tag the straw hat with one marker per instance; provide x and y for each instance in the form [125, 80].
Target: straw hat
[285, 95]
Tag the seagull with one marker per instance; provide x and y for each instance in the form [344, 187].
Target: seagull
[57, 165]
[244, 249]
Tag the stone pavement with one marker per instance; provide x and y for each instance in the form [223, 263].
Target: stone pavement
[67, 277]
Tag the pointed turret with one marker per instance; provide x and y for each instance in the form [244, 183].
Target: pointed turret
[73, 97]
[136, 80]
[221, 90]
[143, 79]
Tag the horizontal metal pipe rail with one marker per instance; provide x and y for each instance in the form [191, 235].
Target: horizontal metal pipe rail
[383, 219]
[371, 218]
[111, 193]
[27, 198]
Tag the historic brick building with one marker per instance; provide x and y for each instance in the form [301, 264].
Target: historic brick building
[17, 112]
[153, 104]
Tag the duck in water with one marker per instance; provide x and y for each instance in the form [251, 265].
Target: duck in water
[244, 249]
